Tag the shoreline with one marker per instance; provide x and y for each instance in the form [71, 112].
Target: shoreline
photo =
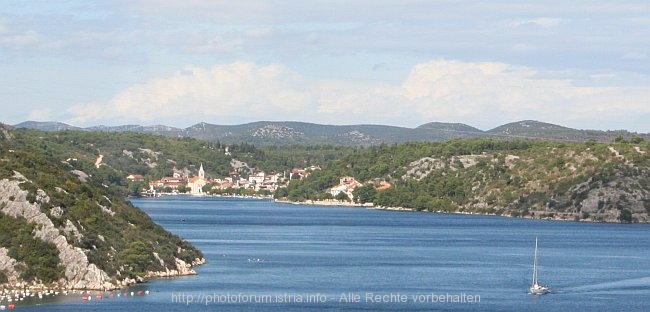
[17, 294]
[324, 203]
[158, 195]
[539, 215]
[558, 216]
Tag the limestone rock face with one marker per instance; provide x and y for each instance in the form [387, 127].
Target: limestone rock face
[7, 265]
[79, 273]
[94, 278]
[71, 229]
[182, 268]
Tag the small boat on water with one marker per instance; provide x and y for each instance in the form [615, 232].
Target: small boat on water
[536, 288]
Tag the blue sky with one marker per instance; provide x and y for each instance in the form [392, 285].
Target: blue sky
[581, 64]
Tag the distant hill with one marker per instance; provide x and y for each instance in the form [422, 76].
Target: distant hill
[263, 133]
[532, 128]
[137, 128]
[289, 132]
[450, 127]
[46, 126]
[536, 129]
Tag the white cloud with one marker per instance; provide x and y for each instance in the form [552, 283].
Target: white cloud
[635, 55]
[41, 114]
[231, 41]
[18, 41]
[488, 94]
[544, 22]
[483, 94]
[217, 44]
[258, 32]
[237, 89]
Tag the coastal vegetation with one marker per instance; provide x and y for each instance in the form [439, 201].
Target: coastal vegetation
[553, 179]
[559, 180]
[155, 156]
[72, 184]
[590, 180]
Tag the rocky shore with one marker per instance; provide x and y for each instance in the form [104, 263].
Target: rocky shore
[78, 272]
[182, 269]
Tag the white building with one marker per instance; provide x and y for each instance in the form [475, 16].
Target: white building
[346, 185]
[197, 183]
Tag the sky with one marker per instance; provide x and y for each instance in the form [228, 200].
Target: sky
[583, 64]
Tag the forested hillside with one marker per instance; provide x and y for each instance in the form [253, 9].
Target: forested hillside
[110, 157]
[62, 225]
[572, 181]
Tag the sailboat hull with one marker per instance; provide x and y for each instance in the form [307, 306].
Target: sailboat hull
[538, 290]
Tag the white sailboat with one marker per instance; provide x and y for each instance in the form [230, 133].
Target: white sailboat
[536, 288]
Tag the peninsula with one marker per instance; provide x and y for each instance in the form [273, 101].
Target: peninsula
[63, 227]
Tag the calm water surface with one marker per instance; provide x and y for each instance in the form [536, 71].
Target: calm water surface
[264, 251]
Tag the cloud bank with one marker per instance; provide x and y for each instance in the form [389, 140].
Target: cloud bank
[582, 64]
[482, 94]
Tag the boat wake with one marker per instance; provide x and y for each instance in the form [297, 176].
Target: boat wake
[627, 285]
[255, 260]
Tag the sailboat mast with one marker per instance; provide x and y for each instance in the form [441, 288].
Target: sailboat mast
[535, 264]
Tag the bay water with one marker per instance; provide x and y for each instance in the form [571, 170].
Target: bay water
[267, 256]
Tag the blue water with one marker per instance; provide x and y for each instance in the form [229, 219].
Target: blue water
[260, 250]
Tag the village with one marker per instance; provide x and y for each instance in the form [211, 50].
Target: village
[257, 183]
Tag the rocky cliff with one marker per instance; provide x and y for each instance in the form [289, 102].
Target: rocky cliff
[600, 183]
[79, 272]
[60, 229]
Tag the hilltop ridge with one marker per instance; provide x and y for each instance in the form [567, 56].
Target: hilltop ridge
[263, 133]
